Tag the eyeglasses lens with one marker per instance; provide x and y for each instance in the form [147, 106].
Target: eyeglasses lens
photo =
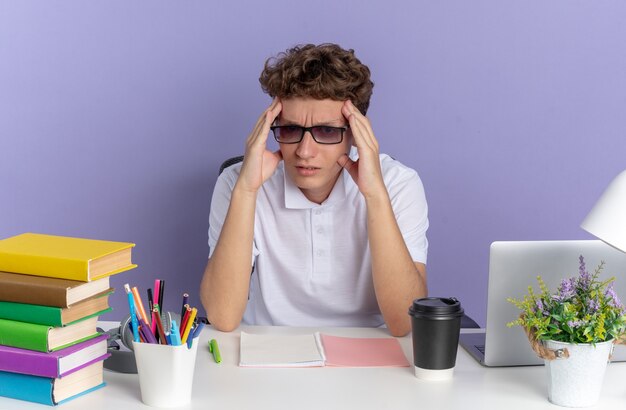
[327, 135]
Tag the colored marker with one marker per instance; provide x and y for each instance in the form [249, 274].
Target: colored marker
[213, 348]
[174, 334]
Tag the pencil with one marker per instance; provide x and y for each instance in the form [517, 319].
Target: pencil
[159, 325]
[183, 320]
[192, 317]
[185, 302]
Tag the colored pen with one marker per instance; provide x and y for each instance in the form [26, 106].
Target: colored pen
[213, 348]
[133, 316]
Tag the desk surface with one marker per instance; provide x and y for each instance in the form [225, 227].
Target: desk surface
[227, 386]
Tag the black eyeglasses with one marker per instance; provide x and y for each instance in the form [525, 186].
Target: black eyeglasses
[322, 134]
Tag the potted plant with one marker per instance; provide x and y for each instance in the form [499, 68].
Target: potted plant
[573, 330]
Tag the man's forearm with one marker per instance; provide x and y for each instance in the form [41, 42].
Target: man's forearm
[397, 279]
[226, 280]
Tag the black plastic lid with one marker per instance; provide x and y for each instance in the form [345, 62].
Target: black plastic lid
[435, 306]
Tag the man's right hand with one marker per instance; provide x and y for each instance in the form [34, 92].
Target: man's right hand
[259, 163]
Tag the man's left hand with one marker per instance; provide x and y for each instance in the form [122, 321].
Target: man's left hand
[366, 170]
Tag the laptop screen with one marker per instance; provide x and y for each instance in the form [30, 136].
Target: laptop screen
[515, 265]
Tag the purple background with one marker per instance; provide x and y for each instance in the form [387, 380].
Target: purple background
[115, 117]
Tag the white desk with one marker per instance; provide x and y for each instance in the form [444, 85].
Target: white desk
[227, 386]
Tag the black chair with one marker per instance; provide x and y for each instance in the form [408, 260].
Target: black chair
[229, 162]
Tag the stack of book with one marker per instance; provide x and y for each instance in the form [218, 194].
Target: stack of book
[52, 290]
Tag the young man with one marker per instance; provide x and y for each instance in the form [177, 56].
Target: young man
[336, 236]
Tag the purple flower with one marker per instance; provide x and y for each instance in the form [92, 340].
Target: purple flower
[567, 290]
[613, 300]
[584, 280]
[575, 323]
[593, 305]
[540, 307]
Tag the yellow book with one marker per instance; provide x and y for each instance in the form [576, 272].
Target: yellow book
[64, 257]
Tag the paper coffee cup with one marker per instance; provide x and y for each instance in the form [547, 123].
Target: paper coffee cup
[436, 324]
[165, 373]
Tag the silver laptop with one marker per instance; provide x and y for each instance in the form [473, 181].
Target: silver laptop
[513, 266]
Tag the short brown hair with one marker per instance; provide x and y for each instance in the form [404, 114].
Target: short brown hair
[324, 71]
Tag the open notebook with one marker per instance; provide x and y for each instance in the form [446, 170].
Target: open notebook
[316, 350]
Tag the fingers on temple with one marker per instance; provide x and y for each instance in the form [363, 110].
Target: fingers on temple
[262, 126]
[361, 128]
[363, 137]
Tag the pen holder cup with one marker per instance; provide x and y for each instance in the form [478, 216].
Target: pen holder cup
[165, 373]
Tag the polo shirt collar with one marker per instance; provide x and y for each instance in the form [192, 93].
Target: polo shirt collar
[295, 199]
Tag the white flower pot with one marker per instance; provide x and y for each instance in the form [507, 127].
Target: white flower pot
[576, 381]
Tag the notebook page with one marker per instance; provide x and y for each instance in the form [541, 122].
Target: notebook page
[271, 350]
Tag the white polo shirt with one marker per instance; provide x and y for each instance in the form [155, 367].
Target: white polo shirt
[312, 264]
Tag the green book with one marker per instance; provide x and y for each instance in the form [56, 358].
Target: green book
[56, 316]
[44, 338]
